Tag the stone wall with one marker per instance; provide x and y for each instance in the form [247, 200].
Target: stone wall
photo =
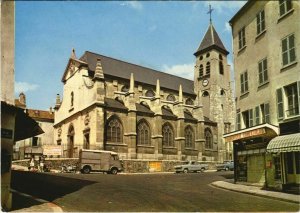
[130, 166]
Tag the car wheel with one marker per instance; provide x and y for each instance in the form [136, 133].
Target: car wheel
[226, 168]
[185, 171]
[114, 171]
[202, 169]
[86, 170]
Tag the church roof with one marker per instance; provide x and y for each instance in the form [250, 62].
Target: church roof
[211, 40]
[121, 69]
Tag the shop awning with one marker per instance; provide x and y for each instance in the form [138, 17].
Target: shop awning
[285, 143]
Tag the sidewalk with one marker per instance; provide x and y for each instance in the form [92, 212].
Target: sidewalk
[27, 203]
[255, 190]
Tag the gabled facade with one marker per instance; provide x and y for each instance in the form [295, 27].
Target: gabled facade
[136, 111]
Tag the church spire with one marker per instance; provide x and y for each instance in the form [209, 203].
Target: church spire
[73, 55]
[99, 71]
[157, 93]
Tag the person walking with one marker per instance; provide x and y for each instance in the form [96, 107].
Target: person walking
[31, 164]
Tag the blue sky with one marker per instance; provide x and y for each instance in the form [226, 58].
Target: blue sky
[159, 35]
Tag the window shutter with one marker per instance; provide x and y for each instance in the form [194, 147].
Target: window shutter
[251, 117]
[246, 81]
[280, 110]
[267, 113]
[242, 83]
[257, 115]
[265, 68]
[260, 72]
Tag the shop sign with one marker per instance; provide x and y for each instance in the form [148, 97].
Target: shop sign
[244, 135]
[51, 150]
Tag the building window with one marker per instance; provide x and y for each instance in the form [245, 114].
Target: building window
[125, 88]
[280, 109]
[238, 121]
[143, 133]
[221, 68]
[292, 100]
[168, 135]
[86, 142]
[171, 98]
[263, 71]
[257, 115]
[201, 71]
[207, 68]
[288, 50]
[114, 131]
[72, 99]
[189, 102]
[34, 141]
[248, 118]
[284, 6]
[189, 137]
[265, 110]
[150, 93]
[244, 82]
[277, 166]
[242, 38]
[208, 138]
[207, 55]
[260, 22]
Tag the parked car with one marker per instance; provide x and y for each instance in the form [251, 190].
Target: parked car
[191, 166]
[226, 165]
[99, 160]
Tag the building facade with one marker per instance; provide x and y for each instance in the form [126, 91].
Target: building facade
[37, 146]
[142, 113]
[266, 46]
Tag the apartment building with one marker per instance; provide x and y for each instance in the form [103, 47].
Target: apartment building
[266, 48]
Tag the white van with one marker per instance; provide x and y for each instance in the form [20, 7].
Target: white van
[99, 160]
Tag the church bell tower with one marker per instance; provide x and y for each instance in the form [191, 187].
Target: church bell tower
[212, 83]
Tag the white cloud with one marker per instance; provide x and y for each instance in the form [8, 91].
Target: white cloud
[227, 27]
[24, 87]
[222, 6]
[181, 70]
[133, 4]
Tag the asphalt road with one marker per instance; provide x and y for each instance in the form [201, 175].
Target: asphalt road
[145, 192]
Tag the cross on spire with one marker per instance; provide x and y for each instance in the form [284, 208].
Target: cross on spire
[210, 11]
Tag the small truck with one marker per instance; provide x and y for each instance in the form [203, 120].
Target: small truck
[99, 160]
[191, 166]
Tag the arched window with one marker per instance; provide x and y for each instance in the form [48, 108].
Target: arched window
[207, 55]
[189, 137]
[143, 133]
[205, 94]
[221, 68]
[222, 92]
[125, 88]
[70, 145]
[189, 101]
[208, 138]
[201, 71]
[168, 135]
[171, 97]
[114, 131]
[207, 68]
[150, 93]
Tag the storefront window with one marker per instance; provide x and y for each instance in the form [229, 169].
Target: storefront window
[289, 162]
[277, 168]
[297, 161]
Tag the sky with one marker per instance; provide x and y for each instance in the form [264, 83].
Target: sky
[161, 35]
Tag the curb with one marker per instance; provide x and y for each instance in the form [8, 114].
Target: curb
[54, 207]
[251, 192]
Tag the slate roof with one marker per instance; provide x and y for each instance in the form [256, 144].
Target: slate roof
[112, 103]
[211, 40]
[143, 109]
[168, 114]
[122, 69]
[189, 116]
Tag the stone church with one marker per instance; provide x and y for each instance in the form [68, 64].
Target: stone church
[146, 114]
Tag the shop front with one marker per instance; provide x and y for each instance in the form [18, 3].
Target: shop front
[285, 152]
[249, 152]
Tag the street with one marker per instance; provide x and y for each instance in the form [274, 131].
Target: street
[141, 192]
